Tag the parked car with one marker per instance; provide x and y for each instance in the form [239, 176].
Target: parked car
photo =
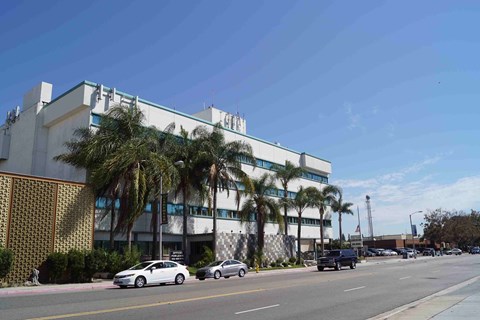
[456, 251]
[389, 252]
[222, 268]
[429, 252]
[475, 250]
[152, 272]
[338, 259]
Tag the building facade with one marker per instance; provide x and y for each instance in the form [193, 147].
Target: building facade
[34, 134]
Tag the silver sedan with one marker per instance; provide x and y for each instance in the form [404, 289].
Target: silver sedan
[222, 268]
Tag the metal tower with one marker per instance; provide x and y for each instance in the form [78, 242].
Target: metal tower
[369, 212]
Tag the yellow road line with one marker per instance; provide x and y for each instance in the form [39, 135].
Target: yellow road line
[89, 313]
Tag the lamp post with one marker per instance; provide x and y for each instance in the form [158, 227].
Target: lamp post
[179, 163]
[411, 228]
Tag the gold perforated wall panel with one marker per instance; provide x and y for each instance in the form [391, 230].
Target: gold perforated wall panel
[40, 216]
[31, 225]
[5, 189]
[75, 214]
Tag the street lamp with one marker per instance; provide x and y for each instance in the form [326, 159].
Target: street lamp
[411, 228]
[179, 163]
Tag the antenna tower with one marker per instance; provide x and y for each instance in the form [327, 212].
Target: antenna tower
[369, 212]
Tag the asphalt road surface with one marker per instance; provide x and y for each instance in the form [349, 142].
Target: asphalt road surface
[367, 291]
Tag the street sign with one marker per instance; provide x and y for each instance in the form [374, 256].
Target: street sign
[356, 241]
[177, 256]
[164, 208]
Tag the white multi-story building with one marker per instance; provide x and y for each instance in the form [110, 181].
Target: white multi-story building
[34, 134]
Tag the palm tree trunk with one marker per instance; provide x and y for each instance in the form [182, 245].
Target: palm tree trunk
[322, 243]
[214, 232]
[285, 210]
[260, 233]
[340, 228]
[299, 234]
[129, 237]
[185, 229]
[112, 225]
[155, 228]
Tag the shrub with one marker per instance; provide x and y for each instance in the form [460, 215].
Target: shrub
[207, 257]
[6, 261]
[76, 264]
[273, 264]
[131, 258]
[114, 262]
[95, 261]
[57, 263]
[300, 262]
[248, 262]
[285, 264]
[280, 261]
[292, 260]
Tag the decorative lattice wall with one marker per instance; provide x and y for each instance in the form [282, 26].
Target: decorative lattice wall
[242, 246]
[5, 190]
[40, 216]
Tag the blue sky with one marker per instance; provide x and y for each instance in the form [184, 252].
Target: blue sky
[388, 91]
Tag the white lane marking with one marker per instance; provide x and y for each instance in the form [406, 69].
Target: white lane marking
[405, 278]
[358, 288]
[256, 309]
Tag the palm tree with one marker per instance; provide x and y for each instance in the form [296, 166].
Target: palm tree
[341, 207]
[115, 156]
[224, 168]
[262, 206]
[191, 183]
[285, 174]
[301, 202]
[162, 175]
[321, 200]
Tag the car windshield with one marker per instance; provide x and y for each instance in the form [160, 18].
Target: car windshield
[333, 254]
[215, 263]
[140, 266]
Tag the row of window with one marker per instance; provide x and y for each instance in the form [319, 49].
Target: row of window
[174, 209]
[96, 118]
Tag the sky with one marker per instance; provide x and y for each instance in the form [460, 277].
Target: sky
[387, 91]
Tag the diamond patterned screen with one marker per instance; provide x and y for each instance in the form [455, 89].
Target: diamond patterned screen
[39, 216]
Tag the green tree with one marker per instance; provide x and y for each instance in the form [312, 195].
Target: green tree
[286, 174]
[301, 202]
[115, 158]
[260, 207]
[223, 167]
[341, 207]
[191, 181]
[321, 199]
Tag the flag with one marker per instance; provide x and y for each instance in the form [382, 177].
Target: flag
[358, 228]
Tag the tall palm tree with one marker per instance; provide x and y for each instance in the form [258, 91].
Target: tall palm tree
[321, 200]
[224, 168]
[285, 174]
[191, 182]
[115, 156]
[162, 175]
[260, 204]
[301, 202]
[340, 208]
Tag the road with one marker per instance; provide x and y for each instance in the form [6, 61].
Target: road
[369, 290]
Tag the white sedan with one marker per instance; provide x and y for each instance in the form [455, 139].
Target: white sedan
[152, 272]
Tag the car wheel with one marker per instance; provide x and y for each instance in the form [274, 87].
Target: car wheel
[123, 287]
[217, 275]
[320, 268]
[338, 266]
[226, 277]
[201, 279]
[139, 282]
[353, 265]
[179, 279]
[241, 273]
